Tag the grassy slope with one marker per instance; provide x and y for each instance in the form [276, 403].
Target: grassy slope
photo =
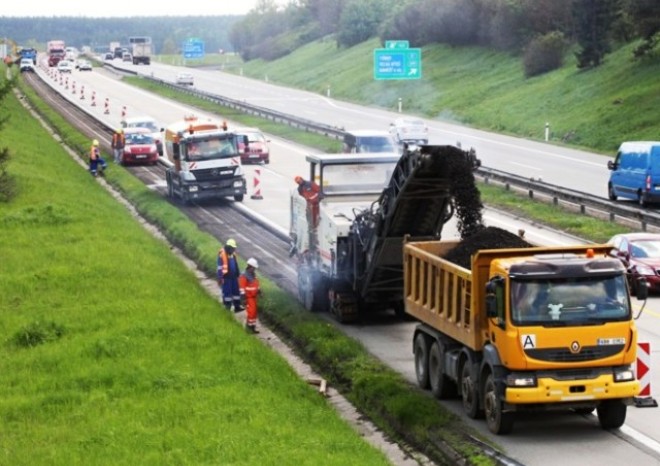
[111, 353]
[602, 107]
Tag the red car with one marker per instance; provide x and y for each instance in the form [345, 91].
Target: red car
[640, 253]
[140, 147]
[258, 150]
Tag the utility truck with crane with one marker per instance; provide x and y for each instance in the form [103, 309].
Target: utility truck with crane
[205, 160]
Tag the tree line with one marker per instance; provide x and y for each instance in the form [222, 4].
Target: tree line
[540, 31]
[167, 33]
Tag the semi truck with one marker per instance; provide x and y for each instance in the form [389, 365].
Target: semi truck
[141, 53]
[523, 329]
[56, 50]
[27, 53]
[205, 161]
[350, 259]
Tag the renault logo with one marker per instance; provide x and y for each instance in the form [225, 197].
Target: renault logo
[575, 347]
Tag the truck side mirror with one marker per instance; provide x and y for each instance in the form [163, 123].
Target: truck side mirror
[611, 165]
[494, 298]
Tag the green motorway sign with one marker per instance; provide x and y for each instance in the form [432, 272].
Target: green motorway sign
[397, 44]
[396, 63]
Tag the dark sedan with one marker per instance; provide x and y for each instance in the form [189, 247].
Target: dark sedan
[640, 253]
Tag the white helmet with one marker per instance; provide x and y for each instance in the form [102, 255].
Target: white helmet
[253, 262]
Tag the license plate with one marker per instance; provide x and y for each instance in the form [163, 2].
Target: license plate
[140, 156]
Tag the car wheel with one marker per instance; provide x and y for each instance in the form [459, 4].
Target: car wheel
[498, 421]
[469, 392]
[610, 193]
[611, 414]
[422, 360]
[641, 199]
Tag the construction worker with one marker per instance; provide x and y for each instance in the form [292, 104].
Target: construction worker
[228, 273]
[248, 284]
[312, 194]
[118, 144]
[95, 159]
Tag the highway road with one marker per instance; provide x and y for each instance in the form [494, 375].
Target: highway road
[539, 440]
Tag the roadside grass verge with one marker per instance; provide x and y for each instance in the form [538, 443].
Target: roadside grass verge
[112, 353]
[378, 392]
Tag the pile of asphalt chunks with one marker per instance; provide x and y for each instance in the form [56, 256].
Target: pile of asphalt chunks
[468, 205]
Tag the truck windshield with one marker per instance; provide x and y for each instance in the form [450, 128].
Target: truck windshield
[208, 149]
[570, 301]
[362, 178]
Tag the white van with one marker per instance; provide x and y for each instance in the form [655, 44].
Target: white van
[635, 172]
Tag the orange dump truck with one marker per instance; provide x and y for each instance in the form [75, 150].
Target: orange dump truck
[523, 329]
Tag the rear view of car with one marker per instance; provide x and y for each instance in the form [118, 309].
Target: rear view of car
[140, 147]
[409, 131]
[635, 172]
[184, 79]
[258, 150]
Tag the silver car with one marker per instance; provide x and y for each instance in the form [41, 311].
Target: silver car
[409, 130]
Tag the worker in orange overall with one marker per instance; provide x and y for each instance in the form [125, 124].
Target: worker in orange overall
[118, 144]
[312, 194]
[248, 283]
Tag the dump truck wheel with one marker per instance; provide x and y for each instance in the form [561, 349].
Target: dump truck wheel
[469, 392]
[611, 414]
[498, 421]
[441, 386]
[421, 349]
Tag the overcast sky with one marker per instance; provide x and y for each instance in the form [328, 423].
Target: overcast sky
[107, 8]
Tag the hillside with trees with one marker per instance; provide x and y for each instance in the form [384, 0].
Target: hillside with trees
[541, 32]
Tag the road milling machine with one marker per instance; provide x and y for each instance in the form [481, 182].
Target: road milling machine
[350, 257]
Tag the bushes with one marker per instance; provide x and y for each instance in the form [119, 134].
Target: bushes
[544, 53]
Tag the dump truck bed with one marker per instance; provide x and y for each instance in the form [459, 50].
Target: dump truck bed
[451, 298]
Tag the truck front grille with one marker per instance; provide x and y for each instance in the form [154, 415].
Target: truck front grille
[587, 353]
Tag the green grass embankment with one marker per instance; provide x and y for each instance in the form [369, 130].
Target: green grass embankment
[595, 109]
[114, 354]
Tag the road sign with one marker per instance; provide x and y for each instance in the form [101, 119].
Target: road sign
[397, 44]
[397, 64]
[193, 48]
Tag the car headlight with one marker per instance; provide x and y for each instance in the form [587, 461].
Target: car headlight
[644, 270]
[520, 380]
[623, 374]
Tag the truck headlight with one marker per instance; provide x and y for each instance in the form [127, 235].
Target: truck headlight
[520, 380]
[238, 184]
[192, 189]
[623, 374]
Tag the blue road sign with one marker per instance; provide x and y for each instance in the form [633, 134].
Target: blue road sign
[397, 64]
[193, 48]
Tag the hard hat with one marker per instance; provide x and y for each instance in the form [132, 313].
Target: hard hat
[95, 142]
[298, 179]
[231, 243]
[253, 262]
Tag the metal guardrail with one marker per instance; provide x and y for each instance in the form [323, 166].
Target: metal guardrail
[585, 203]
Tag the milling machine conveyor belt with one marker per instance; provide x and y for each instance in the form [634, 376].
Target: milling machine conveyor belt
[416, 203]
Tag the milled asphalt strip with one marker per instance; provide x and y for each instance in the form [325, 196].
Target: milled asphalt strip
[399, 455]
